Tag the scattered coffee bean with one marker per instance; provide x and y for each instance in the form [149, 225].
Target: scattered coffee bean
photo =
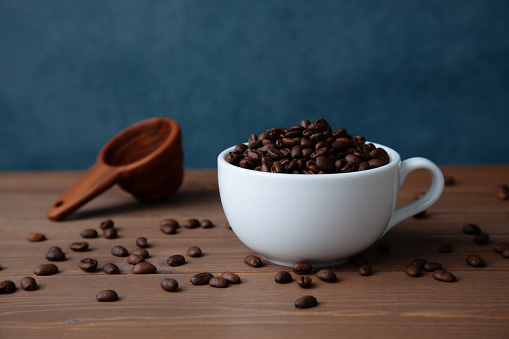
[142, 242]
[141, 251]
[218, 282]
[505, 252]
[194, 251]
[445, 248]
[191, 223]
[365, 270]
[55, 254]
[201, 278]
[449, 181]
[111, 268]
[7, 287]
[206, 223]
[168, 229]
[482, 238]
[475, 260]
[253, 261]
[413, 270]
[444, 276]
[46, 269]
[431, 266]
[326, 275]
[419, 262]
[383, 247]
[106, 224]
[283, 277]
[503, 192]
[28, 284]
[79, 246]
[231, 277]
[169, 285]
[119, 251]
[176, 260]
[88, 233]
[472, 229]
[306, 302]
[134, 259]
[499, 247]
[35, 237]
[302, 267]
[107, 295]
[144, 268]
[304, 281]
[88, 264]
[110, 233]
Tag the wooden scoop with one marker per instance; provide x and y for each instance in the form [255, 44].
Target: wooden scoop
[144, 159]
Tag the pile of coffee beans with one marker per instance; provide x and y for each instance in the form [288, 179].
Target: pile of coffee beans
[308, 148]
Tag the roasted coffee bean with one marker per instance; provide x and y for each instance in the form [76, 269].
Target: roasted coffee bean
[110, 233]
[475, 260]
[482, 238]
[231, 277]
[88, 233]
[206, 223]
[431, 266]
[191, 223]
[28, 284]
[46, 269]
[88, 264]
[107, 295]
[444, 276]
[119, 251]
[365, 270]
[304, 281]
[445, 248]
[79, 246]
[302, 267]
[141, 251]
[326, 275]
[218, 282]
[134, 259]
[383, 247]
[448, 180]
[169, 285]
[306, 302]
[472, 229]
[253, 261]
[413, 270]
[35, 237]
[106, 224]
[144, 268]
[170, 222]
[168, 229]
[142, 242]
[283, 277]
[503, 192]
[201, 278]
[505, 253]
[499, 247]
[7, 287]
[419, 262]
[111, 268]
[55, 254]
[194, 251]
[176, 260]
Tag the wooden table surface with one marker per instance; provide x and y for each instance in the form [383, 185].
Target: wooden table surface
[387, 304]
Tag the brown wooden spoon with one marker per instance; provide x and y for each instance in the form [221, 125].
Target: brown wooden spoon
[145, 159]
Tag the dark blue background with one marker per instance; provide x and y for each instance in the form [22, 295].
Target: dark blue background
[428, 78]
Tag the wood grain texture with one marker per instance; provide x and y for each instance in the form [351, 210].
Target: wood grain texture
[388, 304]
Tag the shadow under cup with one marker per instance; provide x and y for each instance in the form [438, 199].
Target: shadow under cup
[323, 219]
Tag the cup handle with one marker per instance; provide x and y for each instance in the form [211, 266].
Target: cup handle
[93, 182]
[434, 192]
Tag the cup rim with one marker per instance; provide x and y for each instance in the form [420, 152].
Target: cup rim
[394, 160]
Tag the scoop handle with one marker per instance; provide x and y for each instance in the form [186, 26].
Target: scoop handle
[93, 182]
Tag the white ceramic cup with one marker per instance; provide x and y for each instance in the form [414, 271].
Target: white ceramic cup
[323, 219]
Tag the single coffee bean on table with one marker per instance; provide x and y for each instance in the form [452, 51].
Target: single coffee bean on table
[304, 281]
[106, 224]
[302, 267]
[326, 275]
[231, 277]
[144, 268]
[218, 282]
[7, 287]
[472, 229]
[444, 276]
[431, 266]
[283, 277]
[505, 253]
[134, 259]
[169, 284]
[88, 233]
[482, 238]
[419, 262]
[28, 284]
[365, 270]
[194, 252]
[253, 261]
[79, 246]
[206, 223]
[55, 254]
[201, 278]
[46, 269]
[35, 237]
[176, 260]
[499, 247]
[141, 251]
[88, 264]
[413, 270]
[119, 251]
[110, 233]
[191, 223]
[445, 248]
[111, 268]
[475, 260]
[107, 295]
[306, 302]
[142, 242]
[503, 192]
